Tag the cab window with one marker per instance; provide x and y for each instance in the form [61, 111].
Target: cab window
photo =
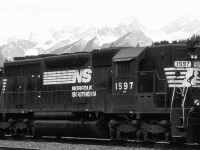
[122, 69]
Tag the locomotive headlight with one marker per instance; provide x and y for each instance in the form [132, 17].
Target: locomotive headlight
[192, 56]
[196, 102]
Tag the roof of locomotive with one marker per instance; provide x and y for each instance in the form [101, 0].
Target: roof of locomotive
[169, 45]
[52, 58]
[49, 58]
[128, 54]
[123, 54]
[23, 62]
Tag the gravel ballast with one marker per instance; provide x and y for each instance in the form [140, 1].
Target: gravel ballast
[65, 146]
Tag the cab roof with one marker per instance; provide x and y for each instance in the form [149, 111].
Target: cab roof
[128, 54]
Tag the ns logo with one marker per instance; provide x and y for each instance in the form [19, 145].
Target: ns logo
[67, 77]
[82, 76]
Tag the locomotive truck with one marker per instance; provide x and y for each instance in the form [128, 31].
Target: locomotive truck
[140, 93]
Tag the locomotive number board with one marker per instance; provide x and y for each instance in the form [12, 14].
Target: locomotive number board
[123, 86]
[182, 63]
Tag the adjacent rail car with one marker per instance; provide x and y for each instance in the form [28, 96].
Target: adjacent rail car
[141, 93]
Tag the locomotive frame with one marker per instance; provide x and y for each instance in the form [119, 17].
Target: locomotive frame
[142, 93]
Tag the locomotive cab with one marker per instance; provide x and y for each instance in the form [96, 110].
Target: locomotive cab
[159, 86]
[124, 79]
[132, 81]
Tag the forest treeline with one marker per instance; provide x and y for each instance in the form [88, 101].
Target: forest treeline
[190, 41]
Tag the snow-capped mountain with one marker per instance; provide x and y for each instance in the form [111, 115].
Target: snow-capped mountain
[129, 32]
[91, 38]
[182, 28]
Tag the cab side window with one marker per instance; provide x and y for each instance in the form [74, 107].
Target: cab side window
[122, 69]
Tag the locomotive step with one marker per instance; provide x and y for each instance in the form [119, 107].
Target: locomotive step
[193, 118]
[182, 117]
[181, 128]
[179, 136]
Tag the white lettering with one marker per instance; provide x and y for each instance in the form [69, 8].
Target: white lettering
[74, 94]
[90, 87]
[85, 94]
[123, 85]
[86, 75]
[82, 88]
[83, 91]
[78, 76]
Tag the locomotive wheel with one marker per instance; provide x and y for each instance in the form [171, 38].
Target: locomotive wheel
[139, 135]
[113, 133]
[146, 136]
[2, 133]
[167, 136]
[113, 130]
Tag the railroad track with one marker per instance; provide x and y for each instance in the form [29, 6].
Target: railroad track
[15, 148]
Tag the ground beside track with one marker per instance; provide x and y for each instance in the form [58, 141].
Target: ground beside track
[86, 144]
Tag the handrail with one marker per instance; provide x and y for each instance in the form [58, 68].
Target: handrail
[152, 72]
[99, 89]
[159, 76]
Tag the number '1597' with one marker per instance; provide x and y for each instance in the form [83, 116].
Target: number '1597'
[123, 85]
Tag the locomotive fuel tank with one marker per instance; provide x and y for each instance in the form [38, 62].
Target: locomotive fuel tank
[74, 128]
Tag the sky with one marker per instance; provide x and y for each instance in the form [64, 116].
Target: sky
[19, 17]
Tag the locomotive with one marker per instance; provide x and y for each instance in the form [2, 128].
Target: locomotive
[140, 93]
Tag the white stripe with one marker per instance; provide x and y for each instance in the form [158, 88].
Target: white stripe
[173, 73]
[196, 86]
[175, 77]
[58, 80]
[58, 76]
[168, 69]
[60, 72]
[175, 69]
[176, 85]
[180, 85]
[48, 83]
[54, 78]
[175, 81]
[63, 74]
[170, 73]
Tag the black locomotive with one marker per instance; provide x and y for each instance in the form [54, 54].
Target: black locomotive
[142, 93]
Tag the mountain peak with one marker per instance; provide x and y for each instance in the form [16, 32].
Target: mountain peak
[130, 20]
